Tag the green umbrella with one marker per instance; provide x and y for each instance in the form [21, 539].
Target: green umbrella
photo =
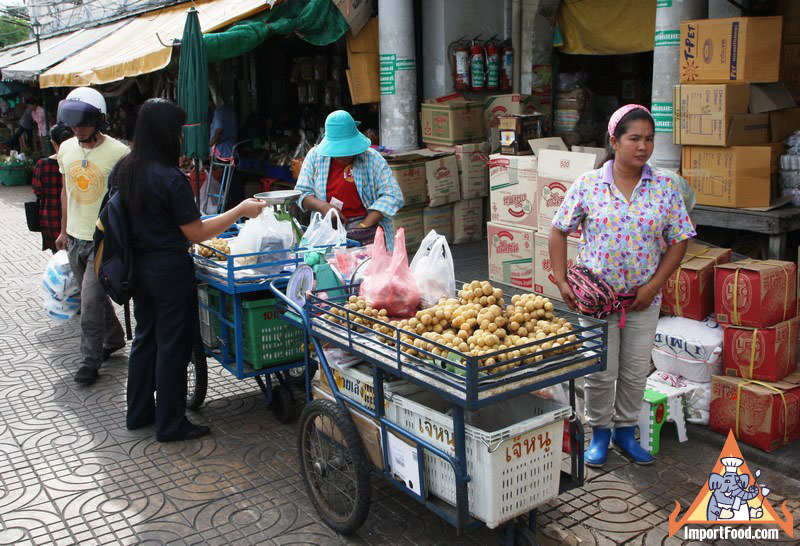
[193, 91]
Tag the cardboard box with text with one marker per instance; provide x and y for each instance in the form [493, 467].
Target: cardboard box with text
[511, 251]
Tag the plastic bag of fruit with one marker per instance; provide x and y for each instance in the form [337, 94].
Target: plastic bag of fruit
[388, 282]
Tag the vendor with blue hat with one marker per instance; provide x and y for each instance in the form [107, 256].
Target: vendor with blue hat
[343, 173]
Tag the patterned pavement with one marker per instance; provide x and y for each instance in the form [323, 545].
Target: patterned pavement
[70, 473]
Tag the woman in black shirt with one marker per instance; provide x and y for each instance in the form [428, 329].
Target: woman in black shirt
[164, 220]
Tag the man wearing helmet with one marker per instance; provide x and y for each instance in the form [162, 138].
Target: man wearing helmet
[86, 161]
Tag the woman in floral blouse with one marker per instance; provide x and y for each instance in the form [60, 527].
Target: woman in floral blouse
[47, 183]
[635, 228]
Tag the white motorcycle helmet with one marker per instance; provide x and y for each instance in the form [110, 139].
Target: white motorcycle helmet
[83, 107]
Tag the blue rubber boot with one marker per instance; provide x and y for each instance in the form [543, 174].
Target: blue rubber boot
[624, 440]
[595, 456]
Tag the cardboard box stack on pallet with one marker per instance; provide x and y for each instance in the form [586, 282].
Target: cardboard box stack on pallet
[731, 113]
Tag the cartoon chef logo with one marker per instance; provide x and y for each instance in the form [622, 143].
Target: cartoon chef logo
[732, 495]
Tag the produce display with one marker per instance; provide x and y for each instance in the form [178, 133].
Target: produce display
[475, 324]
[218, 251]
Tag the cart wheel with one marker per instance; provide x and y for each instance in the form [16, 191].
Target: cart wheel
[297, 376]
[333, 465]
[282, 404]
[524, 535]
[196, 379]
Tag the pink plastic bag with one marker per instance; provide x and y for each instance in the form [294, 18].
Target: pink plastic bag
[388, 282]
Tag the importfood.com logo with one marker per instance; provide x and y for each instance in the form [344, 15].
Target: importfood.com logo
[732, 505]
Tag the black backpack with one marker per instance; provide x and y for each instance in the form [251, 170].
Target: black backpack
[113, 253]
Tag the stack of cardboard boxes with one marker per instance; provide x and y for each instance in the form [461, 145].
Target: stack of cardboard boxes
[730, 114]
[759, 394]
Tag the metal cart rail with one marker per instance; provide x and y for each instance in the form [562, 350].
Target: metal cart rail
[338, 468]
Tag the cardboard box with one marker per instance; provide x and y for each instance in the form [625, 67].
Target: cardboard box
[738, 176]
[557, 170]
[363, 78]
[511, 251]
[547, 143]
[512, 189]
[501, 105]
[355, 12]
[516, 130]
[411, 220]
[716, 115]
[600, 154]
[451, 120]
[765, 292]
[440, 219]
[767, 418]
[743, 49]
[773, 357]
[473, 167]
[783, 123]
[543, 269]
[768, 97]
[441, 176]
[790, 68]
[689, 291]
[468, 221]
[409, 170]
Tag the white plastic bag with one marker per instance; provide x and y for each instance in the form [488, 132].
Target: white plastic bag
[264, 233]
[61, 290]
[321, 232]
[433, 271]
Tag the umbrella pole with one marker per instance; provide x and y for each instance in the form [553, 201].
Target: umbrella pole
[197, 170]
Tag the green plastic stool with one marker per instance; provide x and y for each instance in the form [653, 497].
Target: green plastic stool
[661, 403]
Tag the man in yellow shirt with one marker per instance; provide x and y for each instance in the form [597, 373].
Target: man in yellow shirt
[86, 162]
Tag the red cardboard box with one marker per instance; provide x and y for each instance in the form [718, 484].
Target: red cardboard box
[768, 413]
[689, 291]
[773, 357]
[755, 293]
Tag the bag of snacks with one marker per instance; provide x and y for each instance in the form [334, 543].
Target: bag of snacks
[388, 282]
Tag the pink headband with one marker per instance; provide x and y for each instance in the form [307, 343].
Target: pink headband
[620, 113]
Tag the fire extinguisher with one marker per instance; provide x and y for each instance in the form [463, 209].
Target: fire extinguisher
[459, 56]
[477, 63]
[492, 63]
[506, 66]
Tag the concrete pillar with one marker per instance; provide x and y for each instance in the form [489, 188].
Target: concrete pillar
[398, 75]
[669, 15]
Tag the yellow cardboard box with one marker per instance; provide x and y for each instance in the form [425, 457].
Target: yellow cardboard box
[451, 120]
[742, 49]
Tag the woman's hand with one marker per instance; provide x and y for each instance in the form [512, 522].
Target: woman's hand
[645, 295]
[567, 295]
[250, 207]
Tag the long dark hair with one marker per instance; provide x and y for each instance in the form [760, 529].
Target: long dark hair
[624, 123]
[157, 140]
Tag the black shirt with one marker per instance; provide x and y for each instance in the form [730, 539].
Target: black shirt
[167, 203]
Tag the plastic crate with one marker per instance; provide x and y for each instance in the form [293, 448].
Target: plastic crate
[209, 322]
[513, 450]
[14, 175]
[266, 338]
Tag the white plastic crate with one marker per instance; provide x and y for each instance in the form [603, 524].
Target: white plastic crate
[207, 333]
[513, 452]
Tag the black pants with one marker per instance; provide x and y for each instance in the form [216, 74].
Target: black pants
[165, 307]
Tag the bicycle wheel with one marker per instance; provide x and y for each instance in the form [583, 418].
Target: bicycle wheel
[196, 379]
[282, 404]
[334, 466]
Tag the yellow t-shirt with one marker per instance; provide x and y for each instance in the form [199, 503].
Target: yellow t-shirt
[86, 173]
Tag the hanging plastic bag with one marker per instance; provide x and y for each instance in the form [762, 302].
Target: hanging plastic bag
[433, 271]
[61, 289]
[321, 231]
[264, 233]
[388, 282]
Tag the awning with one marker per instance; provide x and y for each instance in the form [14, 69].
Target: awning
[26, 50]
[145, 44]
[30, 68]
[600, 27]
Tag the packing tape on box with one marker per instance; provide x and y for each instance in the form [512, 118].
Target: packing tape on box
[678, 275]
[753, 353]
[736, 318]
[766, 386]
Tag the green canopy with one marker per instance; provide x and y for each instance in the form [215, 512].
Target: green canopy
[193, 88]
[318, 22]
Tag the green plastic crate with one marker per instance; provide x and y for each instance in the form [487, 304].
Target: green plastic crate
[14, 175]
[267, 339]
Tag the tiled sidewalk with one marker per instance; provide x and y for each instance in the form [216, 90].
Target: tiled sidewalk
[70, 473]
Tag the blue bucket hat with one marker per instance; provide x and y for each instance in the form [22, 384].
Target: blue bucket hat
[342, 137]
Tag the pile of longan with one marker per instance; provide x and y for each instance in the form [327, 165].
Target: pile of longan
[474, 324]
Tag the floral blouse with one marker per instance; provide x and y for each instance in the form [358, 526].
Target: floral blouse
[623, 241]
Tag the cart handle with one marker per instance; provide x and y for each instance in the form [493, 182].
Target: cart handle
[289, 303]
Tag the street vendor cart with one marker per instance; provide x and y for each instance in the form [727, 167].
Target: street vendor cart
[461, 434]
